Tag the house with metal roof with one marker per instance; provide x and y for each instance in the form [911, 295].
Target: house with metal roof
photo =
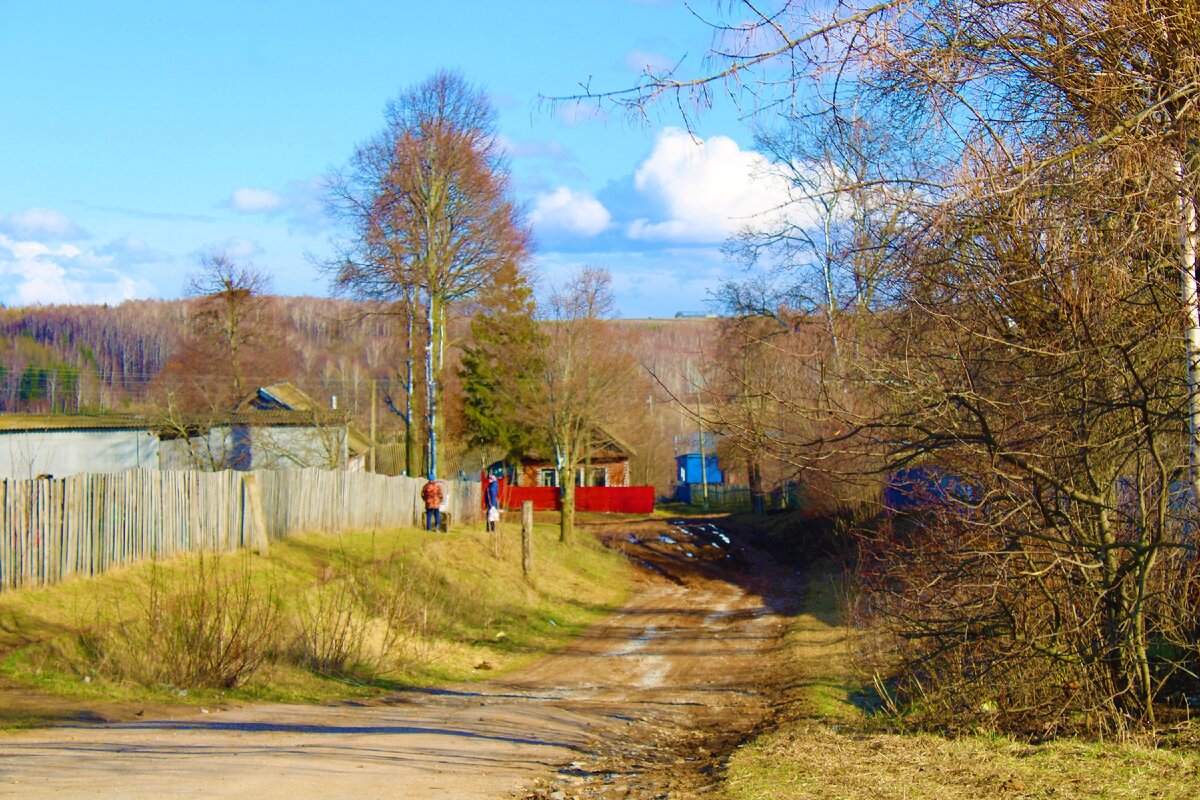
[278, 427]
[33, 445]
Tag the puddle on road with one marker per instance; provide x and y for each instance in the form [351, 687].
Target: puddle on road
[653, 668]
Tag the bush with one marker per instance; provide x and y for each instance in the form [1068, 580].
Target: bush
[211, 629]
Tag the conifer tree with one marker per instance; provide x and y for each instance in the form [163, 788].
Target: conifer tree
[501, 370]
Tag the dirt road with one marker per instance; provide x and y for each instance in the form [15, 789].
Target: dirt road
[642, 706]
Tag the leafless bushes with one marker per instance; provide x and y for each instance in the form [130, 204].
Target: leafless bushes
[982, 628]
[213, 628]
[362, 619]
[213, 622]
[1028, 231]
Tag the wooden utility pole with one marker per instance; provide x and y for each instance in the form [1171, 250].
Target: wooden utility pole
[374, 405]
[703, 454]
[527, 537]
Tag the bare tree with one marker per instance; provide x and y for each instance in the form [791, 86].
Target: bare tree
[589, 382]
[844, 204]
[1037, 338]
[229, 299]
[429, 215]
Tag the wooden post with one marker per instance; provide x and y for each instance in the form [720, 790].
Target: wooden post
[374, 404]
[258, 520]
[527, 537]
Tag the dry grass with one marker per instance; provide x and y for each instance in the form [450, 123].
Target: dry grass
[349, 615]
[815, 759]
[207, 626]
[829, 750]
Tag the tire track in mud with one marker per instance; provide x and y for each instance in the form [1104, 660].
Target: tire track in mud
[701, 643]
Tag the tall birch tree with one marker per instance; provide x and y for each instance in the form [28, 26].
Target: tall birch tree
[429, 217]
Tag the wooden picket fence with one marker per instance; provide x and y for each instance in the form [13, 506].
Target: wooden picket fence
[53, 529]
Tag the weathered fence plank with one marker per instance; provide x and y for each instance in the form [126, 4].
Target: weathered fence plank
[51, 529]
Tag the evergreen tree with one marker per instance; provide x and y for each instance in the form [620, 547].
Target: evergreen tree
[501, 370]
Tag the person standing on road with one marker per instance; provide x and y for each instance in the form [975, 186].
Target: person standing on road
[431, 493]
[492, 498]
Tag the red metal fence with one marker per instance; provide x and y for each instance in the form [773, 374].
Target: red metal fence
[603, 499]
[615, 499]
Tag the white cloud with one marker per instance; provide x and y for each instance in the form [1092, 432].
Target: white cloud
[255, 201]
[641, 61]
[708, 189]
[578, 112]
[299, 203]
[34, 273]
[236, 247]
[41, 224]
[570, 212]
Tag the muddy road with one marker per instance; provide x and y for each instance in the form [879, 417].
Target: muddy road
[644, 705]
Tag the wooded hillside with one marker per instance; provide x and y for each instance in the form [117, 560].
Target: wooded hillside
[143, 355]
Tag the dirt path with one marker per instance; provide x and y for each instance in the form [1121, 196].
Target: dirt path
[643, 705]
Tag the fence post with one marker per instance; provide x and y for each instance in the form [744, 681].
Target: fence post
[258, 520]
[527, 537]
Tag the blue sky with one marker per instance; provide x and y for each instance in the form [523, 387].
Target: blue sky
[138, 135]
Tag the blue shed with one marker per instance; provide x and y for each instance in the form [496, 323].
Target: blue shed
[689, 469]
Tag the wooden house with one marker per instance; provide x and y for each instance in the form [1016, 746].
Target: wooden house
[280, 426]
[606, 464]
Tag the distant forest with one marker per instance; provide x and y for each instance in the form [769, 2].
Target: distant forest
[91, 359]
[151, 356]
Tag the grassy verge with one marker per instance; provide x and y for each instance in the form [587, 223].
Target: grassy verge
[827, 749]
[324, 618]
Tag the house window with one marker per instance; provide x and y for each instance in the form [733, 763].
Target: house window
[547, 477]
[591, 476]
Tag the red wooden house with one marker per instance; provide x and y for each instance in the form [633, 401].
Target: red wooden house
[602, 481]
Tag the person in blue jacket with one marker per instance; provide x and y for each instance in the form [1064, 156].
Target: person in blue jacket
[492, 501]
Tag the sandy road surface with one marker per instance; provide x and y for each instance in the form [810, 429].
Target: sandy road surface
[640, 706]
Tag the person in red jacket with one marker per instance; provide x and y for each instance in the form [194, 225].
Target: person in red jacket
[431, 493]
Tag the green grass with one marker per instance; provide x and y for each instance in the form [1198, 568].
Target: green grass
[827, 749]
[414, 610]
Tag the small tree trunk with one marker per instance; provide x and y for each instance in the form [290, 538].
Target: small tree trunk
[830, 299]
[754, 474]
[1188, 236]
[412, 465]
[431, 386]
[566, 528]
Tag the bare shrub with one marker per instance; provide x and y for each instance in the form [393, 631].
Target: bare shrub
[332, 628]
[984, 630]
[362, 620]
[211, 629]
